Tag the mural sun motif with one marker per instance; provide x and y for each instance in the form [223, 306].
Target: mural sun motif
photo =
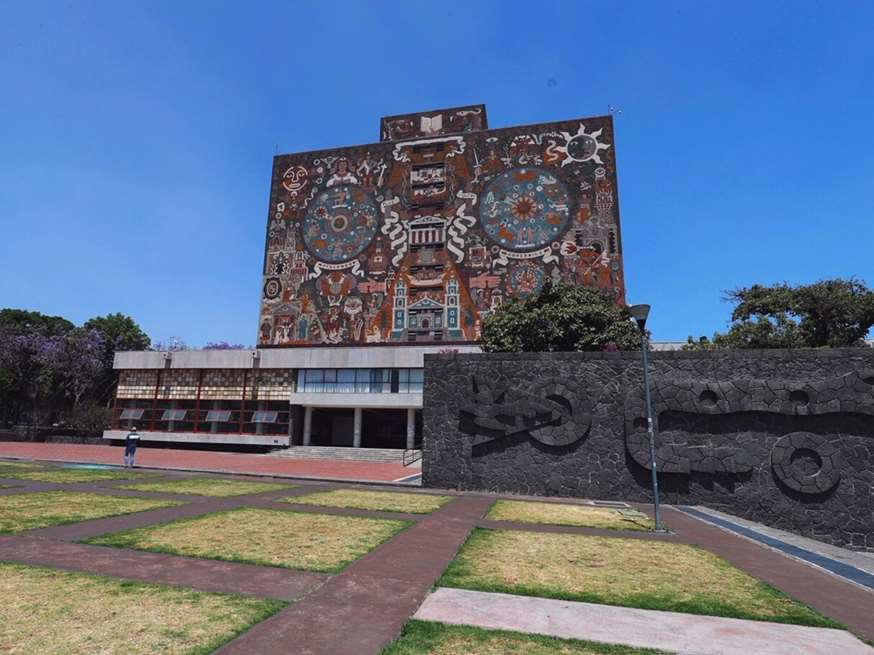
[524, 209]
[581, 146]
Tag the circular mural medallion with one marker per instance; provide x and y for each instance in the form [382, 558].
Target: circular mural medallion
[525, 279]
[272, 288]
[340, 223]
[806, 462]
[524, 209]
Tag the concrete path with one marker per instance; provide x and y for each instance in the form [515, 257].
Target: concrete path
[680, 633]
[211, 461]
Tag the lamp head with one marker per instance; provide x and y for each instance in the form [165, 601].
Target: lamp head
[639, 313]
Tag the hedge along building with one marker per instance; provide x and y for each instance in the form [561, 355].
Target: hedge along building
[378, 254]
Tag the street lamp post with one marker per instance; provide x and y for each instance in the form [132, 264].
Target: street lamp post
[639, 314]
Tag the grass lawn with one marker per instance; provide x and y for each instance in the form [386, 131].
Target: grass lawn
[28, 511]
[426, 638]
[70, 476]
[61, 613]
[13, 466]
[386, 501]
[271, 537]
[566, 514]
[615, 571]
[207, 487]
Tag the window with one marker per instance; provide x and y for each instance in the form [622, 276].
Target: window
[133, 414]
[264, 417]
[417, 379]
[218, 416]
[346, 380]
[315, 380]
[174, 414]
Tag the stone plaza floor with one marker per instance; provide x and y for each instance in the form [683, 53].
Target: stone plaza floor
[363, 605]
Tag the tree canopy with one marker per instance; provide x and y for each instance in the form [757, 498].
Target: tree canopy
[560, 318]
[51, 370]
[830, 313]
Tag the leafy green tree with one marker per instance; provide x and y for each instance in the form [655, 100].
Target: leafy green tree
[21, 320]
[831, 313]
[120, 333]
[560, 318]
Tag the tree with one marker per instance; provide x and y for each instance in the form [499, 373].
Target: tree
[173, 344]
[560, 318]
[75, 361]
[830, 313]
[120, 333]
[224, 345]
[21, 320]
[22, 360]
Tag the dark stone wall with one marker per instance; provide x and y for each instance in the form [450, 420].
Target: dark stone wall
[781, 437]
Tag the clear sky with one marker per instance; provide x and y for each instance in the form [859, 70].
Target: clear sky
[136, 138]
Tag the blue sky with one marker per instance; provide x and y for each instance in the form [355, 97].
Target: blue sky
[136, 138]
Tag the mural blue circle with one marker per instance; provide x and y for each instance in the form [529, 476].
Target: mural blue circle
[340, 222]
[524, 209]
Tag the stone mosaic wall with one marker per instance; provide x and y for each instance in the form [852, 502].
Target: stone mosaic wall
[781, 437]
[419, 236]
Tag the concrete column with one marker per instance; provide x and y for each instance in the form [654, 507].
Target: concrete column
[171, 425]
[356, 429]
[411, 428]
[307, 425]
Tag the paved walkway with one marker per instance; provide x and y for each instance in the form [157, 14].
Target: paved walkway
[670, 631]
[211, 461]
[202, 574]
[843, 601]
[852, 565]
[361, 609]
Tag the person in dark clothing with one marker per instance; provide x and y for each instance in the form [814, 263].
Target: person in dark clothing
[130, 446]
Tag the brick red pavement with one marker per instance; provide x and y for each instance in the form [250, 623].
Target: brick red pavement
[362, 608]
[824, 592]
[202, 574]
[166, 458]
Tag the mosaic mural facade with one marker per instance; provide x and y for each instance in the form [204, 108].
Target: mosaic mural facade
[417, 238]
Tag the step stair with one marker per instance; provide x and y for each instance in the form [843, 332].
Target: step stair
[393, 455]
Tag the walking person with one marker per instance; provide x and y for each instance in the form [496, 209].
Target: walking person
[131, 441]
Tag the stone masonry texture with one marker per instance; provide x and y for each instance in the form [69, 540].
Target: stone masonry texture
[782, 437]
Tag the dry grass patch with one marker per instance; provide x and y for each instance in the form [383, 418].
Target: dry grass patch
[614, 571]
[28, 511]
[585, 516]
[16, 466]
[207, 487]
[385, 501]
[57, 612]
[295, 540]
[71, 476]
[421, 637]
